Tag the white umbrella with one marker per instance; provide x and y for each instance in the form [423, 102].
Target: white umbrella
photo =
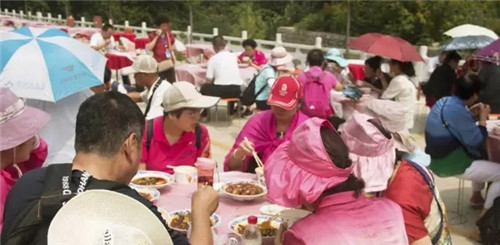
[470, 30]
[47, 64]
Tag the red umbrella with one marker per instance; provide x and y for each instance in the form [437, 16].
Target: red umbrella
[387, 46]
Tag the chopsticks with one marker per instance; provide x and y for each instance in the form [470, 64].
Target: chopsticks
[268, 221]
[255, 156]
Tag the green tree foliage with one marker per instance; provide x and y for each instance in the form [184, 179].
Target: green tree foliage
[419, 21]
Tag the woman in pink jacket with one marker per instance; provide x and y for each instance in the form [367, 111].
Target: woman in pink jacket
[265, 131]
[313, 171]
[20, 148]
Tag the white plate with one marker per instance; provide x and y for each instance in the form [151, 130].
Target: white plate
[260, 218]
[271, 209]
[293, 215]
[244, 197]
[217, 219]
[152, 191]
[156, 174]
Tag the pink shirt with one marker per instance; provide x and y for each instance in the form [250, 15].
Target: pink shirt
[261, 130]
[9, 175]
[259, 58]
[183, 152]
[343, 219]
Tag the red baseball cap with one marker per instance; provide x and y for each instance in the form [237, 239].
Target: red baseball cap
[285, 93]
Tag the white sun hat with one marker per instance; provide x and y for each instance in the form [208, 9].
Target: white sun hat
[98, 217]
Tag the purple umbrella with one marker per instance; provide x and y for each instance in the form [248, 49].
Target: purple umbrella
[490, 50]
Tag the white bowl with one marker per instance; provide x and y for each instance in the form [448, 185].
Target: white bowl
[244, 197]
[271, 209]
[185, 174]
[156, 174]
[243, 220]
[217, 220]
[155, 194]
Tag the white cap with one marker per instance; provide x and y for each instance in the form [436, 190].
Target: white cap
[184, 95]
[98, 217]
[145, 64]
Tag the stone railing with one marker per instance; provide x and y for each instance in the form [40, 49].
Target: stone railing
[298, 51]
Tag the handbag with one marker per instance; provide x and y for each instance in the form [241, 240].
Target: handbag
[165, 65]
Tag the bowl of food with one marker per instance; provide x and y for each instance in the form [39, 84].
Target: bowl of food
[154, 179]
[243, 65]
[149, 193]
[180, 220]
[244, 190]
[268, 230]
[271, 209]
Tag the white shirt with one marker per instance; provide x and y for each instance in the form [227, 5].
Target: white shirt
[402, 90]
[223, 66]
[59, 133]
[97, 40]
[156, 108]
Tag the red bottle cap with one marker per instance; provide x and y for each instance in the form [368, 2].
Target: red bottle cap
[252, 220]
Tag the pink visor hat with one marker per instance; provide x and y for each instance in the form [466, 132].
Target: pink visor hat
[299, 171]
[373, 155]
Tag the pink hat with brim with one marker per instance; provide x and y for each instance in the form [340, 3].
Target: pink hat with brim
[18, 122]
[299, 171]
[372, 153]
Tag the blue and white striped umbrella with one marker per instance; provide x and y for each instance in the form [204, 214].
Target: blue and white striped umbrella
[47, 64]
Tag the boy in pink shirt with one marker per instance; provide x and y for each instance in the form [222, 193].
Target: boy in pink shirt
[251, 55]
[177, 138]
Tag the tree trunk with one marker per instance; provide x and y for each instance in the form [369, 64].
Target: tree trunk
[191, 16]
[348, 27]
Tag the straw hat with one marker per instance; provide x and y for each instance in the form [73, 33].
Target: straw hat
[184, 95]
[18, 122]
[98, 217]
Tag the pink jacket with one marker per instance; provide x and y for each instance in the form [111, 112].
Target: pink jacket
[9, 175]
[261, 130]
[343, 219]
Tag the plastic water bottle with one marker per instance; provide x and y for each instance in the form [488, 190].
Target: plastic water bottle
[251, 235]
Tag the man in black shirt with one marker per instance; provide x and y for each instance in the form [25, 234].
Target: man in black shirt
[109, 129]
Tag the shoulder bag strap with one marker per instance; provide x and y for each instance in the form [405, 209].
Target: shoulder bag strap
[430, 182]
[151, 97]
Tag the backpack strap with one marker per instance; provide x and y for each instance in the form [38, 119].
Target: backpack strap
[265, 85]
[430, 181]
[149, 133]
[197, 133]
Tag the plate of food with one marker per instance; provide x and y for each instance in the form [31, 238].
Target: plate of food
[244, 190]
[268, 230]
[149, 193]
[154, 179]
[180, 220]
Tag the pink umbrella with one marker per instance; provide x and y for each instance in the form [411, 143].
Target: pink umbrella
[387, 46]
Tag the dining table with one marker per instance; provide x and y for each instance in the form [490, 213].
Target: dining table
[118, 60]
[194, 50]
[141, 42]
[118, 34]
[196, 73]
[178, 197]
